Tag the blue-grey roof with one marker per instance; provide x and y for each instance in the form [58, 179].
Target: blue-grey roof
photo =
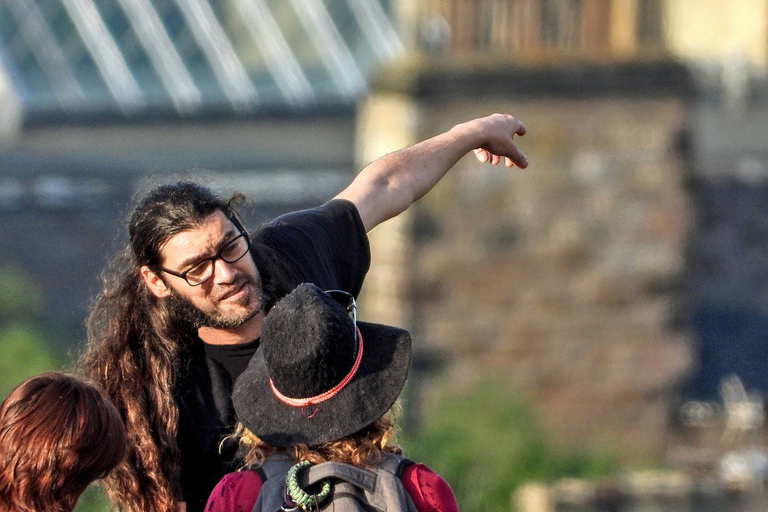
[132, 58]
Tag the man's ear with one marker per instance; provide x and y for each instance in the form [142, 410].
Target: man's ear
[156, 285]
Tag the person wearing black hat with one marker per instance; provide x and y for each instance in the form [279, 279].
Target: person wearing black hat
[321, 389]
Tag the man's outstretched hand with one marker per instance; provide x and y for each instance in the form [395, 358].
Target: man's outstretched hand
[499, 131]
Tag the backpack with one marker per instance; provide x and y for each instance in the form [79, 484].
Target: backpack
[352, 489]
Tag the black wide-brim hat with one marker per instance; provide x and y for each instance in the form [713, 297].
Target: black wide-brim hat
[308, 347]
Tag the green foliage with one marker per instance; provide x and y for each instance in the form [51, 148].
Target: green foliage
[23, 354]
[486, 443]
[19, 295]
[94, 499]
[22, 346]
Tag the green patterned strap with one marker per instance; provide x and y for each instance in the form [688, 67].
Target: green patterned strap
[303, 499]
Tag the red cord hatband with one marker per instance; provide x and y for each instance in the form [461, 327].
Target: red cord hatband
[300, 402]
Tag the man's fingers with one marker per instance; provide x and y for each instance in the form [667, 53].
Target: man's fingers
[518, 159]
[482, 155]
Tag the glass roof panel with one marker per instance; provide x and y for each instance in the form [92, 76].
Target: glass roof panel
[188, 57]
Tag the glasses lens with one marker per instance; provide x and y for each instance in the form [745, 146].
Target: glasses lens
[199, 273]
[235, 249]
[232, 252]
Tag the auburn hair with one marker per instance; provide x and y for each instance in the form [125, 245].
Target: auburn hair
[362, 449]
[58, 434]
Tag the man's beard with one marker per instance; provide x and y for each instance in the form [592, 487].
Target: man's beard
[189, 314]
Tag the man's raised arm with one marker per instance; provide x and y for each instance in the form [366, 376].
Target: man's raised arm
[390, 184]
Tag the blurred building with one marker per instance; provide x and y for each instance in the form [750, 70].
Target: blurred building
[621, 278]
[622, 274]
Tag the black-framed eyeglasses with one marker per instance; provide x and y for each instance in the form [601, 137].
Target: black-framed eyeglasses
[203, 271]
[347, 300]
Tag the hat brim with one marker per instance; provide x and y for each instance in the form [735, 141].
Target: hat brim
[366, 398]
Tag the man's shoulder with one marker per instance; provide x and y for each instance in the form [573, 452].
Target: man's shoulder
[335, 210]
[333, 220]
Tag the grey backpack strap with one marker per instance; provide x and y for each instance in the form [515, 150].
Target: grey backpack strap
[395, 464]
[362, 478]
[272, 473]
[379, 488]
[390, 494]
[273, 466]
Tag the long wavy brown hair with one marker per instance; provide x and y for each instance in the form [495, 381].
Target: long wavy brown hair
[362, 449]
[58, 434]
[137, 344]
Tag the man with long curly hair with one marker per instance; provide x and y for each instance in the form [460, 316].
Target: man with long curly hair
[180, 311]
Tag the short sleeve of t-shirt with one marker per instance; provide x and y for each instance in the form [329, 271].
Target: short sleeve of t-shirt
[429, 491]
[326, 245]
[236, 492]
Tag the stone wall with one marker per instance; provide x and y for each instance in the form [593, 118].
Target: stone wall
[562, 279]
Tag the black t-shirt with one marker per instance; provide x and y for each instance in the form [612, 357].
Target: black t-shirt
[234, 358]
[326, 246]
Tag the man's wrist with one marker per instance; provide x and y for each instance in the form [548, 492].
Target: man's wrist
[468, 134]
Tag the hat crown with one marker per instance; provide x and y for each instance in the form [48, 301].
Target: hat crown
[306, 383]
[309, 343]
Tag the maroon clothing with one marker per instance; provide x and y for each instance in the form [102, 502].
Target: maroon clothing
[237, 492]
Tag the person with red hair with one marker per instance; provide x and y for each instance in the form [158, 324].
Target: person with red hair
[58, 434]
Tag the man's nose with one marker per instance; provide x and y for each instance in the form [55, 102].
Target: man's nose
[223, 272]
